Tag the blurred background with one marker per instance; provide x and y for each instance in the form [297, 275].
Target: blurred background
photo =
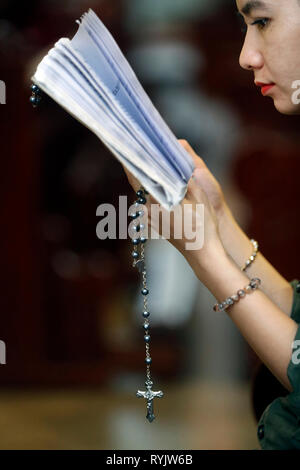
[70, 303]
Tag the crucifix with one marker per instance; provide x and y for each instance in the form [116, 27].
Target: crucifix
[149, 395]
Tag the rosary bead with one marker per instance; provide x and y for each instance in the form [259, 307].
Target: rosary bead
[148, 360]
[139, 193]
[35, 89]
[145, 291]
[256, 280]
[134, 215]
[135, 254]
[146, 325]
[241, 293]
[147, 338]
[135, 241]
[142, 200]
[146, 314]
[35, 100]
[143, 239]
[137, 228]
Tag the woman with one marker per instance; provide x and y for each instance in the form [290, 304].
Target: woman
[269, 317]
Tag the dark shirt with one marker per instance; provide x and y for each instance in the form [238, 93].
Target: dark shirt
[279, 425]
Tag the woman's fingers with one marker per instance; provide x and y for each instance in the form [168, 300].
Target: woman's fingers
[199, 163]
[205, 179]
[195, 192]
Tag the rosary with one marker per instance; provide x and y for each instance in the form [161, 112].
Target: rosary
[139, 262]
[138, 255]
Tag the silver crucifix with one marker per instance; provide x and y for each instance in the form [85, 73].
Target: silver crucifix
[149, 395]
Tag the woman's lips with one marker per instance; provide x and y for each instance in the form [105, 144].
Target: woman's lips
[265, 87]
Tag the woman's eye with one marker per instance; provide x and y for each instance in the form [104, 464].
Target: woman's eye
[261, 23]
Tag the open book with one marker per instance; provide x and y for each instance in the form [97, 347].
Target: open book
[90, 78]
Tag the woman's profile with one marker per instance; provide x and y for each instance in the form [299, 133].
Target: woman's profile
[269, 316]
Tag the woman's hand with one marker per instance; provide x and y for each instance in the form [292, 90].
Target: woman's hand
[270, 335]
[236, 242]
[201, 217]
[207, 181]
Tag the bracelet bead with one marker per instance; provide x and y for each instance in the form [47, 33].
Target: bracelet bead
[253, 255]
[241, 293]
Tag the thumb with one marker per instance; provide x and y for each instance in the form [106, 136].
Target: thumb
[199, 163]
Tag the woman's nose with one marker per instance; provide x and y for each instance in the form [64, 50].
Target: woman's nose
[250, 57]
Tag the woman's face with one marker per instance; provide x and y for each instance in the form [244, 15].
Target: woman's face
[271, 49]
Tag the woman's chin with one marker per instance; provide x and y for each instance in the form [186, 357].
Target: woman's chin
[286, 107]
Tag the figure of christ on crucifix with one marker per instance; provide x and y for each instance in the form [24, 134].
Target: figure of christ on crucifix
[149, 394]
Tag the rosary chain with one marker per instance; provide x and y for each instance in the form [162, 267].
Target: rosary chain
[139, 261]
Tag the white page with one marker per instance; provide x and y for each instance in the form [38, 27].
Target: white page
[75, 104]
[185, 163]
[84, 44]
[115, 108]
[75, 86]
[149, 118]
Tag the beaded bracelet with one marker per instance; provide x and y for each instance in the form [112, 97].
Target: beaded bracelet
[253, 285]
[253, 256]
